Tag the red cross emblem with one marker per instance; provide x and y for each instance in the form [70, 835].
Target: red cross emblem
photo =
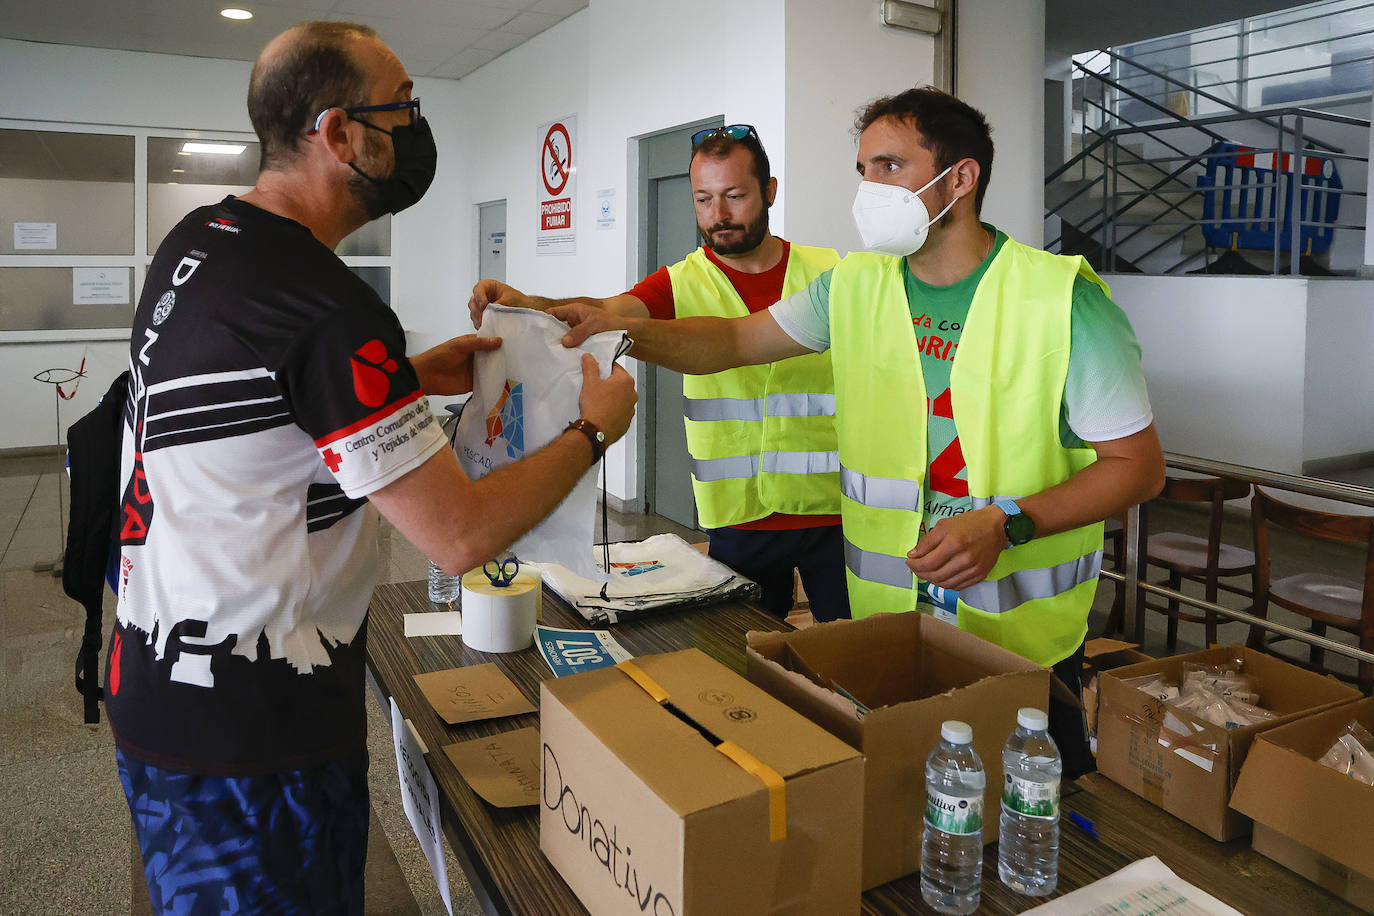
[332, 459]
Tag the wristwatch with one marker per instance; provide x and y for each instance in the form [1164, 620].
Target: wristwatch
[1019, 527]
[594, 435]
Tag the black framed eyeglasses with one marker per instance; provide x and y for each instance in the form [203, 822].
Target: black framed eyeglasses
[733, 131]
[411, 105]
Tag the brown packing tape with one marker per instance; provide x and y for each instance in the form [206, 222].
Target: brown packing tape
[777, 787]
[771, 779]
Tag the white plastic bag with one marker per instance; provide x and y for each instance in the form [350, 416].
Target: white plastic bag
[524, 395]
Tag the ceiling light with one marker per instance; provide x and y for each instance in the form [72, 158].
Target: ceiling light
[218, 149]
[177, 171]
[235, 13]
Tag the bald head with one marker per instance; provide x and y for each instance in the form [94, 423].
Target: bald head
[301, 72]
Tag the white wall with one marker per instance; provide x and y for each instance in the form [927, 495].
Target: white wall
[1001, 63]
[1226, 360]
[839, 57]
[1337, 419]
[124, 89]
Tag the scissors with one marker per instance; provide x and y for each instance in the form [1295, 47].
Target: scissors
[501, 572]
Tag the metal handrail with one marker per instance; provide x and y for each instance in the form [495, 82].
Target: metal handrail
[1117, 203]
[1173, 80]
[1134, 537]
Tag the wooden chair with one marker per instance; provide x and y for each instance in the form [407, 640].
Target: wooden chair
[1205, 560]
[1324, 599]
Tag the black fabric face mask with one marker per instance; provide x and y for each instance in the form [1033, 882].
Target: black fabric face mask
[416, 159]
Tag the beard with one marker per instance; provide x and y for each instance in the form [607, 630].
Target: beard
[751, 236]
[362, 184]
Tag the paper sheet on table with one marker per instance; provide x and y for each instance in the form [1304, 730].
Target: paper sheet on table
[434, 623]
[524, 395]
[574, 651]
[471, 693]
[503, 769]
[1144, 886]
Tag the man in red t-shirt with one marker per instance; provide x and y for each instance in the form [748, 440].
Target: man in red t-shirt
[764, 469]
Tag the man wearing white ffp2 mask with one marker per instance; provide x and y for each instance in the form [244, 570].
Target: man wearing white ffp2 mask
[989, 404]
[893, 220]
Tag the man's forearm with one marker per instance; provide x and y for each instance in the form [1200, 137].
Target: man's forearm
[460, 523]
[1103, 489]
[696, 346]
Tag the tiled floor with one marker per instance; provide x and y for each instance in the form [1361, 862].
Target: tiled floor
[64, 834]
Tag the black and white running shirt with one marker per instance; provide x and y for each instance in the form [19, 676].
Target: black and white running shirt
[270, 394]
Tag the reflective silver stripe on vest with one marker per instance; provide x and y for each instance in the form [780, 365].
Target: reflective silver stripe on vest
[801, 462]
[709, 409]
[801, 404]
[882, 568]
[706, 470]
[880, 492]
[1014, 590]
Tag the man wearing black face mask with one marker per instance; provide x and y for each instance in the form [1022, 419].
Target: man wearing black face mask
[271, 413]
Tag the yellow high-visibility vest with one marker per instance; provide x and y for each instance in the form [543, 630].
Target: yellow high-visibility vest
[1006, 387]
[761, 438]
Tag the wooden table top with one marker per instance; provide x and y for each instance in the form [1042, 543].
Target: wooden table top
[499, 847]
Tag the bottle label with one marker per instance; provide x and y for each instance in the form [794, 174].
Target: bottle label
[1031, 798]
[953, 813]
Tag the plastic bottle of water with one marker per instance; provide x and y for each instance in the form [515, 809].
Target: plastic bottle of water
[1028, 850]
[952, 849]
[443, 588]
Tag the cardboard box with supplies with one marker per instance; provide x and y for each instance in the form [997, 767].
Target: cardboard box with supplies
[1179, 760]
[1308, 817]
[671, 785]
[1103, 655]
[884, 684]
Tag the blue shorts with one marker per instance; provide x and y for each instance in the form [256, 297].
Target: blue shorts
[284, 843]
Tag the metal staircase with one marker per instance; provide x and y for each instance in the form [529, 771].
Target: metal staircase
[1128, 200]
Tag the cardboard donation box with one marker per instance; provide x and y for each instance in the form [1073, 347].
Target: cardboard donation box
[1103, 655]
[1308, 817]
[672, 786]
[884, 684]
[1185, 764]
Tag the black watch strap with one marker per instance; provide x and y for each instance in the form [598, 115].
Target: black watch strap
[595, 436]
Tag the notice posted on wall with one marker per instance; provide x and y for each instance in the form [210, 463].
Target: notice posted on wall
[100, 286]
[605, 208]
[35, 236]
[556, 188]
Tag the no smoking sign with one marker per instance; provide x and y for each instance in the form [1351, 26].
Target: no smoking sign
[556, 158]
[557, 187]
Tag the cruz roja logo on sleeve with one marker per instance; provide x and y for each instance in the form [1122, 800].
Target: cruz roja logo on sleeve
[372, 369]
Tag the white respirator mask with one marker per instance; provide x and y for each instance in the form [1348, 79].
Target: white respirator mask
[892, 219]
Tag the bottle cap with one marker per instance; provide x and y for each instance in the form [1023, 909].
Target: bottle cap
[956, 732]
[1031, 718]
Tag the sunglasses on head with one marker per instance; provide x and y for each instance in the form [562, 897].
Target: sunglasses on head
[411, 105]
[733, 131]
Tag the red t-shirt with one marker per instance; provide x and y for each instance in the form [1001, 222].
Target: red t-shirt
[758, 291]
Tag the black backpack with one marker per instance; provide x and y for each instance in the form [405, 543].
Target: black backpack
[93, 446]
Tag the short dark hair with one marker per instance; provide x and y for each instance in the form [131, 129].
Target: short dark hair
[315, 71]
[950, 128]
[718, 146]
